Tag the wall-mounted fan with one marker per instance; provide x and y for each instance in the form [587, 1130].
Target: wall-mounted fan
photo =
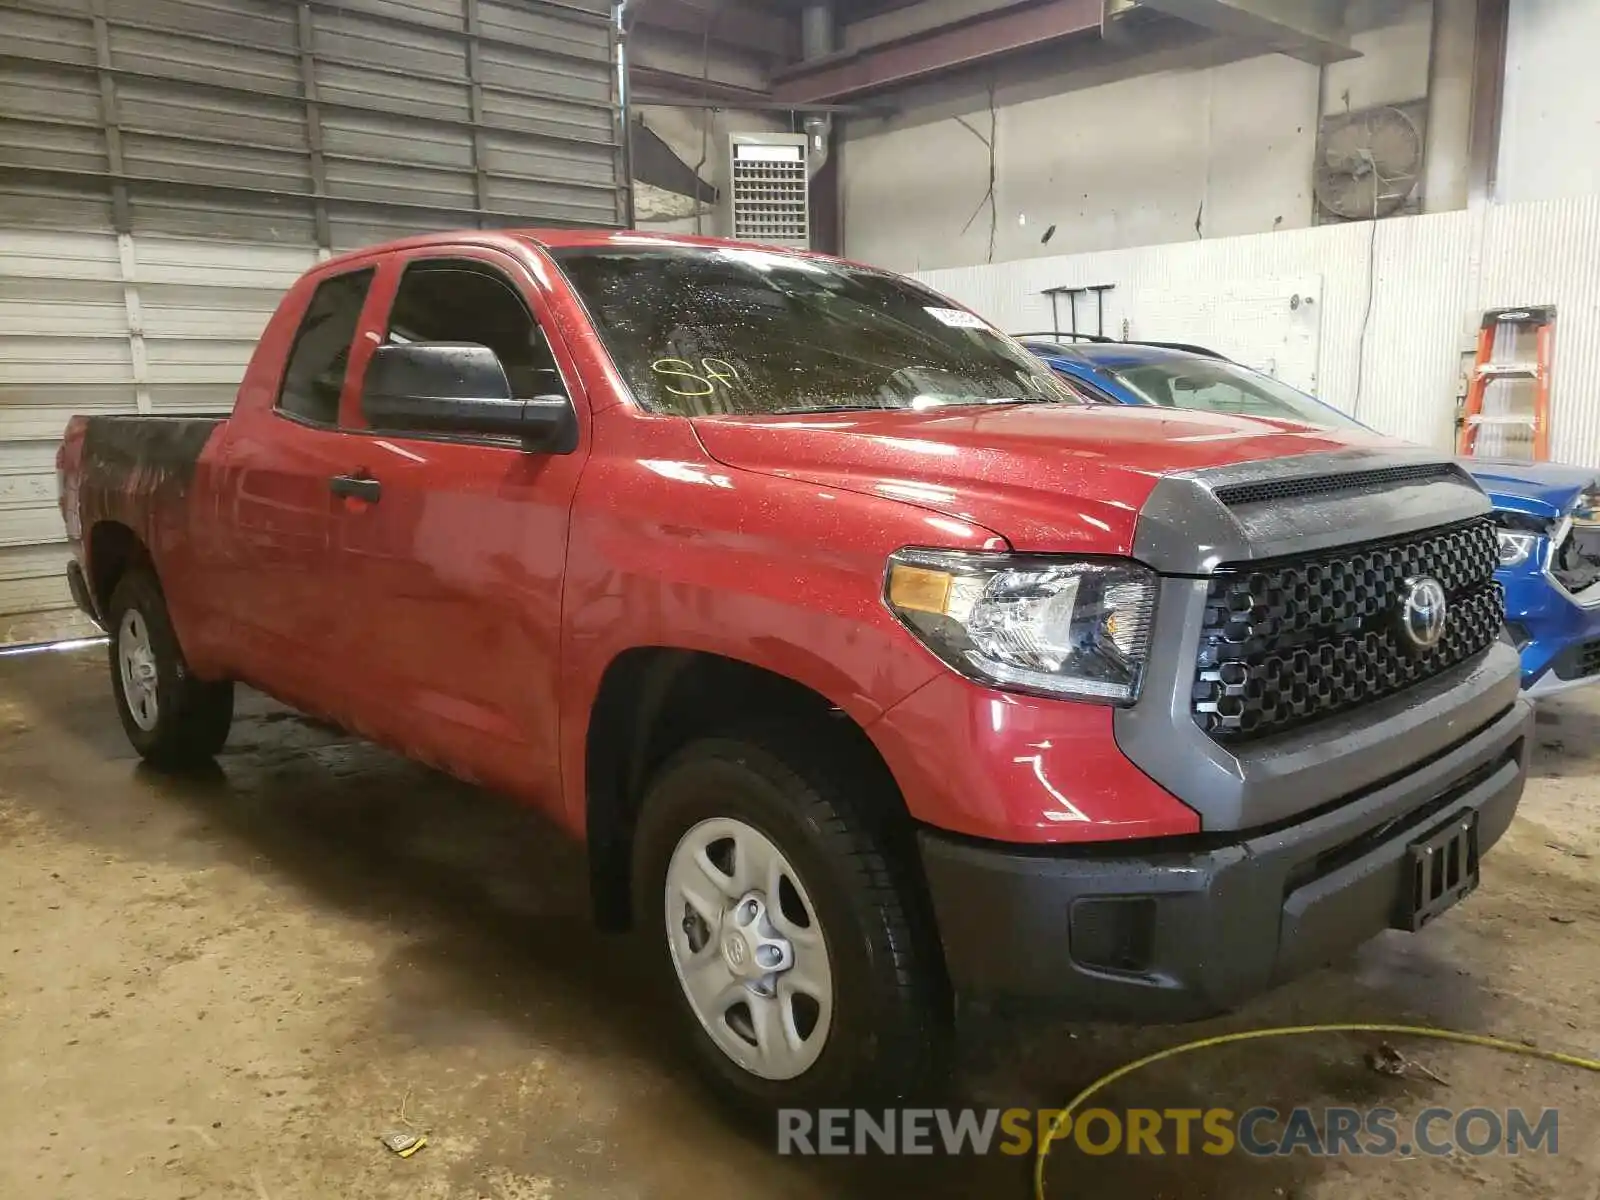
[1368, 163]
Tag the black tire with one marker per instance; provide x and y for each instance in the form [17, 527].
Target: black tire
[192, 716]
[890, 1024]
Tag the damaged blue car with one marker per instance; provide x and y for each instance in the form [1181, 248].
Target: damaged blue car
[1549, 514]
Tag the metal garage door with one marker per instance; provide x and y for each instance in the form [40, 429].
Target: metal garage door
[168, 166]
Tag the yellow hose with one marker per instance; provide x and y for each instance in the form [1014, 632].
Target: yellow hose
[1250, 1035]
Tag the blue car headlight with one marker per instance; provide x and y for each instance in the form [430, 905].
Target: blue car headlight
[1516, 546]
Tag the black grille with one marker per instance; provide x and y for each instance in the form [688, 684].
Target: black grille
[1288, 642]
[1580, 661]
[1318, 485]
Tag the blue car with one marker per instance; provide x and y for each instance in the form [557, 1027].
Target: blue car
[1549, 515]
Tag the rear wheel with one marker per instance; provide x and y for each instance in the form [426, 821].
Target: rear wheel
[789, 938]
[172, 718]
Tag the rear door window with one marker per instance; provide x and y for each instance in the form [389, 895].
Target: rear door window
[320, 355]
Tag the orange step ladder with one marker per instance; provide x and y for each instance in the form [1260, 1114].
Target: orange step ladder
[1511, 420]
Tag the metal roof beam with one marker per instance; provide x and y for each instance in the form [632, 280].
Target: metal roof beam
[947, 48]
[679, 85]
[768, 35]
[1310, 30]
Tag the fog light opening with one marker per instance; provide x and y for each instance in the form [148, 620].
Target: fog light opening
[1114, 933]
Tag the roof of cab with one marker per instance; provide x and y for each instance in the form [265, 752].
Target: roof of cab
[565, 239]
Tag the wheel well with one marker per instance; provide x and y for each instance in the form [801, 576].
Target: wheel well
[113, 548]
[653, 701]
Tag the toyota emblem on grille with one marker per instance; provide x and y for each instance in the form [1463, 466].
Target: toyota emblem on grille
[1423, 612]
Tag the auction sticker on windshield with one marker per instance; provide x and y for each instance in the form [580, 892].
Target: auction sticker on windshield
[958, 318]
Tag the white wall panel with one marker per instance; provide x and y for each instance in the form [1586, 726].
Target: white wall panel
[1550, 123]
[1550, 254]
[1417, 286]
[1274, 323]
[1172, 145]
[170, 166]
[1010, 293]
[64, 348]
[67, 345]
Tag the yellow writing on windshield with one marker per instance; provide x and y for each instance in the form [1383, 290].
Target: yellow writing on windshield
[711, 374]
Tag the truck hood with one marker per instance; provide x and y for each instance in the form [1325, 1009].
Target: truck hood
[1545, 490]
[1044, 477]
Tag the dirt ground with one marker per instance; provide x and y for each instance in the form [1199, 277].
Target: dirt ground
[230, 986]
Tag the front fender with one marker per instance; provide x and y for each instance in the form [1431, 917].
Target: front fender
[671, 549]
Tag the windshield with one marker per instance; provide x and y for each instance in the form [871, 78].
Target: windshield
[1208, 385]
[700, 331]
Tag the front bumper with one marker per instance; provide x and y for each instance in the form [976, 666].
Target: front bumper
[1197, 925]
[1557, 633]
[1577, 665]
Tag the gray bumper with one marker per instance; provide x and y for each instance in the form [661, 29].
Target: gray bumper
[1204, 924]
[1189, 526]
[1246, 787]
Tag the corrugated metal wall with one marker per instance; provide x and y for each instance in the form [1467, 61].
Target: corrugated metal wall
[318, 123]
[169, 166]
[1402, 302]
[1552, 250]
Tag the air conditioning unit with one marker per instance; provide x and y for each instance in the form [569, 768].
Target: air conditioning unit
[768, 196]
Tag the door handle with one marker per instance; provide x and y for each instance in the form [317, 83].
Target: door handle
[358, 487]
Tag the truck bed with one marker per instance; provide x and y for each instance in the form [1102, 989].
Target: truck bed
[146, 452]
[134, 470]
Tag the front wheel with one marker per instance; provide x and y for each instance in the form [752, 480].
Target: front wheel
[788, 935]
[172, 718]
[748, 949]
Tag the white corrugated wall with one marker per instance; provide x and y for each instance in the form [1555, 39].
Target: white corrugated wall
[1552, 251]
[94, 323]
[1429, 279]
[228, 143]
[64, 348]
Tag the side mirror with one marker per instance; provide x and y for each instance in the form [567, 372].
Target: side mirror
[460, 387]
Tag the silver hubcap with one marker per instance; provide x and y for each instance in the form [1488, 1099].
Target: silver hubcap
[748, 948]
[138, 664]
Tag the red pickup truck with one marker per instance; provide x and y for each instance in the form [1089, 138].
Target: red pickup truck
[873, 666]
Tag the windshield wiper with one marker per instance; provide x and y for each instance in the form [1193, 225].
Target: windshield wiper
[815, 409]
[996, 402]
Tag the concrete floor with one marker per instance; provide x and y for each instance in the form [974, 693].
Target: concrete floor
[230, 986]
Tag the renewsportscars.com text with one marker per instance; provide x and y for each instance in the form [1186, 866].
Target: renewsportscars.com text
[1259, 1132]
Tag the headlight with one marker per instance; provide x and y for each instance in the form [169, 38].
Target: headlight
[1030, 623]
[1516, 546]
[1587, 511]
